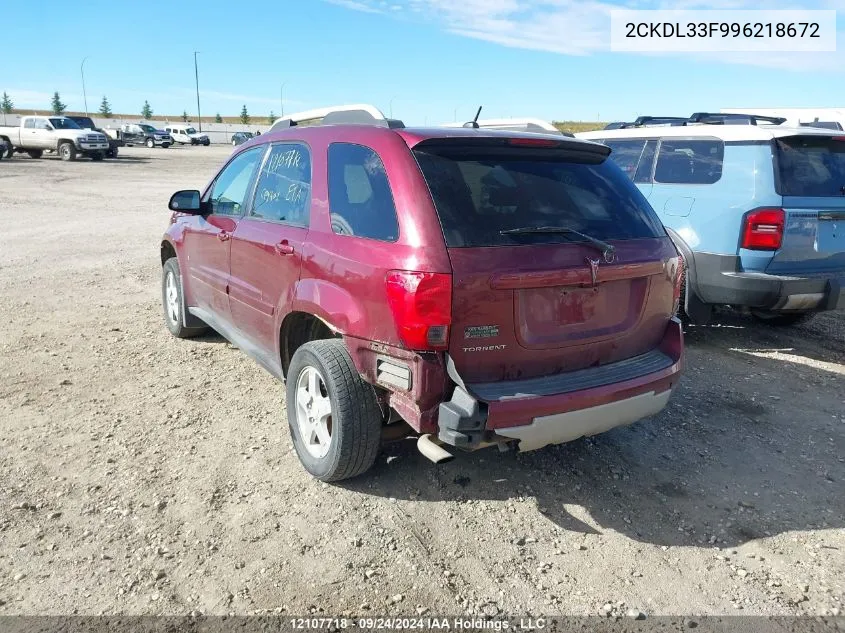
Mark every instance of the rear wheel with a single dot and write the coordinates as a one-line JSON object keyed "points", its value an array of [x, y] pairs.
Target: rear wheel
{"points": [[98, 156], [172, 302], [112, 153], [333, 414], [35, 153], [782, 319], [67, 151]]}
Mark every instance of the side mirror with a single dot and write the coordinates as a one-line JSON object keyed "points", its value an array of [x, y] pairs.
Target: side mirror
{"points": [[187, 201]]}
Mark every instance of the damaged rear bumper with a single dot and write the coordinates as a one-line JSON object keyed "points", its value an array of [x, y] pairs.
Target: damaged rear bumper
{"points": [[557, 409]]}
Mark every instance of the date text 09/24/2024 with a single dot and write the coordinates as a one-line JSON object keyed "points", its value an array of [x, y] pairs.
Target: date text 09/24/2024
{"points": [[419, 623]]}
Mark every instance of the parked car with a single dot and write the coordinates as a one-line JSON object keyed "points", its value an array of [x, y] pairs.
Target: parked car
{"points": [[5, 148], [241, 137], [475, 286], [187, 135], [756, 207], [142, 134], [87, 123], [37, 134]]}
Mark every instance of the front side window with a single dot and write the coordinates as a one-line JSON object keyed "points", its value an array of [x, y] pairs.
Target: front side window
{"points": [[190, 130], [230, 189], [360, 199], [64, 124], [689, 161], [283, 193]]}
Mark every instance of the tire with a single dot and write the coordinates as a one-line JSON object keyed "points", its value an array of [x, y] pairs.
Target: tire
{"points": [[782, 319], [35, 153], [350, 437], [172, 302], [67, 151], [150, 143], [206, 143], [165, 145], [112, 153], [98, 156]]}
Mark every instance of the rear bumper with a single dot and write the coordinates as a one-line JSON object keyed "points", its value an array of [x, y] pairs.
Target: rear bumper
{"points": [[718, 282], [563, 408]]}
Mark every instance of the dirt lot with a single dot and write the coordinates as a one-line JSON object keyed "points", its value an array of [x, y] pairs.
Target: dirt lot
{"points": [[143, 474]]}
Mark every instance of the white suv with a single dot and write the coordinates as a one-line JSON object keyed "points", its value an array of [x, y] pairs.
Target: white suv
{"points": [[187, 135]]}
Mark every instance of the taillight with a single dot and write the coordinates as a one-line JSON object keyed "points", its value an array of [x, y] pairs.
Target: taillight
{"points": [[678, 284], [422, 307], [532, 142], [763, 229]]}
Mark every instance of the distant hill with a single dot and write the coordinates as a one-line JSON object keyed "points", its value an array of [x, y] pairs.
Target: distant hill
{"points": [[578, 126]]}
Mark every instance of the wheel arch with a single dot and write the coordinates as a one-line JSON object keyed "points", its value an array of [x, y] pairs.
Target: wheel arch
{"points": [[694, 307], [298, 328]]}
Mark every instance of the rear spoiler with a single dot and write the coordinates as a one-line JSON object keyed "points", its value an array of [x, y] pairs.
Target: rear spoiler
{"points": [[582, 149]]}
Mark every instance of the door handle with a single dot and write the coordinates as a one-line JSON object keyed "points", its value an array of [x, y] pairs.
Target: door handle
{"points": [[283, 248], [223, 236]]}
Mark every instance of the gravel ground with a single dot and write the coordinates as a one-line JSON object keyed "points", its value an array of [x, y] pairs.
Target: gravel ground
{"points": [[140, 474]]}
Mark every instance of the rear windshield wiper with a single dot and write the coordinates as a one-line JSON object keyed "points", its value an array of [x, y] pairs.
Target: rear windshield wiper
{"points": [[608, 250]]}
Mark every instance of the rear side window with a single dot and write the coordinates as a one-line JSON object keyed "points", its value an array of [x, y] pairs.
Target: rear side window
{"points": [[626, 154], [690, 161], [360, 199], [283, 193], [810, 166], [646, 162], [478, 194]]}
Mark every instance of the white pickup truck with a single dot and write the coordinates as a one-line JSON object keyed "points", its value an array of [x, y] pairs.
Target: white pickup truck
{"points": [[39, 133]]}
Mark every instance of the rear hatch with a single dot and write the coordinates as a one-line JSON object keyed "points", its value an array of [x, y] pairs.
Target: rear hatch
{"points": [[558, 261], [810, 175]]}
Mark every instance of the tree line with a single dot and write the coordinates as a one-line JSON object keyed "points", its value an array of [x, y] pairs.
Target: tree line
{"points": [[58, 108]]}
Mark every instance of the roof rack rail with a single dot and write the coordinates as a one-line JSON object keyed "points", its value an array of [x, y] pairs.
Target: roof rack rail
{"points": [[643, 121], [723, 118], [356, 114], [527, 124], [647, 121]]}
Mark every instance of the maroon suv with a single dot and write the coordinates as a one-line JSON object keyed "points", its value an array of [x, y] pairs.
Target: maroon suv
{"points": [[483, 287]]}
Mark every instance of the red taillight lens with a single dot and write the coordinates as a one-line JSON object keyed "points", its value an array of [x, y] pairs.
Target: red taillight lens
{"points": [[532, 142], [422, 308], [763, 230]]}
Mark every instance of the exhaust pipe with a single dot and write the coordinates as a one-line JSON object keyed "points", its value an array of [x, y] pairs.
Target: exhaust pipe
{"points": [[433, 451]]}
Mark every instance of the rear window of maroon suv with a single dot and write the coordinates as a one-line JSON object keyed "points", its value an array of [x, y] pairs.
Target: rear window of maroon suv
{"points": [[482, 193]]}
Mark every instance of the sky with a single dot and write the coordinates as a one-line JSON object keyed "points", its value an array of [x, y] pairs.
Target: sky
{"points": [[424, 61]]}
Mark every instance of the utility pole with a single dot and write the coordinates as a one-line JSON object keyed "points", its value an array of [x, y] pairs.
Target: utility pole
{"points": [[282, 98], [82, 72], [197, 77]]}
